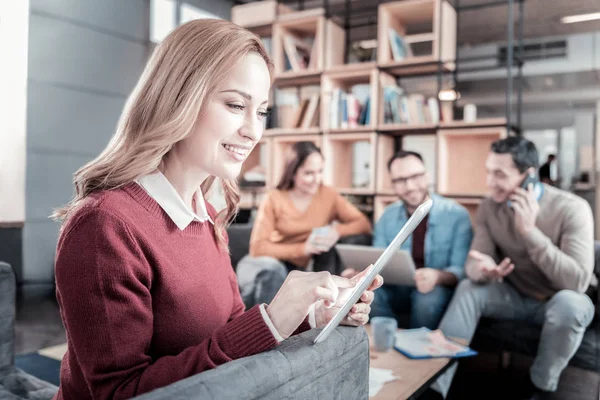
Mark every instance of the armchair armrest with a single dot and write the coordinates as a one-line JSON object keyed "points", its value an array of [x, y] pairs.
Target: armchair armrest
{"points": [[7, 314], [297, 369]]}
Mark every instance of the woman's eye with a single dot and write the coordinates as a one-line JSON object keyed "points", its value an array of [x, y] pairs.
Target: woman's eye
{"points": [[238, 107], [263, 114]]}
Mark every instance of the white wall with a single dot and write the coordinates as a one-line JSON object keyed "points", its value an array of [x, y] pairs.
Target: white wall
{"points": [[14, 24]]}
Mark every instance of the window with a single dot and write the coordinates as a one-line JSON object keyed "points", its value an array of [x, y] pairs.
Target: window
{"points": [[163, 17]]}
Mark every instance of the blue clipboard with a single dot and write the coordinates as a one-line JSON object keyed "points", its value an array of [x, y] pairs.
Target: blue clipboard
{"points": [[421, 333]]}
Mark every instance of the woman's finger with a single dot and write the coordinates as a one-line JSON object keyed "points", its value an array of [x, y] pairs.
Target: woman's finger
{"points": [[361, 319], [360, 308], [367, 297]]}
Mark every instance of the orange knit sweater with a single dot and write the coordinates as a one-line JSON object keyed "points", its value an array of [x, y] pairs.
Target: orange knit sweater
{"points": [[280, 230]]}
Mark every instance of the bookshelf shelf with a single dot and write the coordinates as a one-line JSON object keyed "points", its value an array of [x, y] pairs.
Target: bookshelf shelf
{"points": [[461, 159], [340, 153], [259, 161], [293, 78], [425, 65], [481, 123], [292, 131], [358, 129], [407, 129], [347, 68], [347, 99], [415, 35]]}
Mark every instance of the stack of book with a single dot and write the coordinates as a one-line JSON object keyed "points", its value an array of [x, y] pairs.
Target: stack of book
{"points": [[346, 111], [299, 52], [402, 108]]}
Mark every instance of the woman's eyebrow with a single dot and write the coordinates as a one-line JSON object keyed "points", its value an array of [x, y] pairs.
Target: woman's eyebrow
{"points": [[245, 95]]}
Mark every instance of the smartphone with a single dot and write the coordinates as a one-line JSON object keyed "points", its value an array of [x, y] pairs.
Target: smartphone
{"points": [[529, 179]]}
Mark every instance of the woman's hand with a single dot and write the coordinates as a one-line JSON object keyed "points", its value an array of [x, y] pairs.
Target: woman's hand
{"points": [[359, 313], [299, 292]]}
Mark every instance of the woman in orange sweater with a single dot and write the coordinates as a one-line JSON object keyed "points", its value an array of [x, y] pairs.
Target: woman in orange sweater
{"points": [[301, 203]]}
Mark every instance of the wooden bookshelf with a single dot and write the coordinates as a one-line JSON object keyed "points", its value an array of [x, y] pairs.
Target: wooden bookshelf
{"points": [[258, 16], [338, 151], [427, 29], [344, 79], [380, 204], [407, 129], [461, 160], [385, 151], [259, 160], [327, 48], [281, 147], [292, 131], [454, 151], [480, 123]]}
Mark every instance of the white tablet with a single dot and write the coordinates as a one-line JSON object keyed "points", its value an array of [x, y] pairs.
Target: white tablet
{"points": [[379, 265], [400, 270]]}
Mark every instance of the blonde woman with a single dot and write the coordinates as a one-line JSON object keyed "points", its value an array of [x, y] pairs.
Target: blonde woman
{"points": [[143, 275]]}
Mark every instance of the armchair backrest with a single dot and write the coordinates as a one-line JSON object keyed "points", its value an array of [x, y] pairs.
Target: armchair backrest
{"points": [[7, 314]]}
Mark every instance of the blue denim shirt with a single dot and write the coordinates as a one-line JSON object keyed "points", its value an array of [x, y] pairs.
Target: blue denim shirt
{"points": [[447, 240]]}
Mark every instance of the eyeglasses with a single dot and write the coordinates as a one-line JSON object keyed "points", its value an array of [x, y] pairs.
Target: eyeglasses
{"points": [[402, 181]]}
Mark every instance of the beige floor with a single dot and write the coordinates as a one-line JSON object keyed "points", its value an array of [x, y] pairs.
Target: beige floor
{"points": [[55, 352]]}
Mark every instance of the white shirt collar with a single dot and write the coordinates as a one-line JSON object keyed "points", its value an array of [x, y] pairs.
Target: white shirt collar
{"points": [[160, 189]]}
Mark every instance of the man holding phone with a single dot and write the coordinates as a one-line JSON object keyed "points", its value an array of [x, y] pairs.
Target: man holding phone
{"points": [[532, 259]]}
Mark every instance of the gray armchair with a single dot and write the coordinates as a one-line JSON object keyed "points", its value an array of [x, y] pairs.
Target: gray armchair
{"points": [[296, 369], [14, 383]]}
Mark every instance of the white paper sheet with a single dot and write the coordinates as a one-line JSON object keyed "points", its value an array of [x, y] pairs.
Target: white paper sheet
{"points": [[379, 377]]}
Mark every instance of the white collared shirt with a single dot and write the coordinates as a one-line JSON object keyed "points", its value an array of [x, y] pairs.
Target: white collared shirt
{"points": [[162, 191]]}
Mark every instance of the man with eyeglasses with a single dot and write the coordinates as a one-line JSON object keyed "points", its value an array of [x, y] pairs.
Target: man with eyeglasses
{"points": [[439, 246]]}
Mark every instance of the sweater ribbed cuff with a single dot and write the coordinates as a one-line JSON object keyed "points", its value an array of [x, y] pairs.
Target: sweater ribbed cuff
{"points": [[248, 334]]}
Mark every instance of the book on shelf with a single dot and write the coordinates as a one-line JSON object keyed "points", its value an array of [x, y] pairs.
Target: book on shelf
{"points": [[400, 49], [347, 111], [299, 52], [403, 108]]}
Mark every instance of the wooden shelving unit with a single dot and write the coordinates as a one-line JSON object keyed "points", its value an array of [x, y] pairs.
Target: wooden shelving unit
{"points": [[292, 131], [455, 151], [338, 151], [428, 30], [461, 159], [344, 79]]}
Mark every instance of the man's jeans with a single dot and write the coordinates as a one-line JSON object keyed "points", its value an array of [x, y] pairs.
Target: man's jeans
{"points": [[259, 279], [563, 318], [425, 309]]}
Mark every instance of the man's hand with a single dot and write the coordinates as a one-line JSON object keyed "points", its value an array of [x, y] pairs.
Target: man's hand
{"points": [[426, 279], [486, 267], [526, 209]]}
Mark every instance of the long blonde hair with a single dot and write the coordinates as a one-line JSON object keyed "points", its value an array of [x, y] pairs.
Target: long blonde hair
{"points": [[181, 75]]}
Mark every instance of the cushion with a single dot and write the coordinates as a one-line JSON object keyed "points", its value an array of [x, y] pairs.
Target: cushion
{"points": [[297, 369], [16, 385]]}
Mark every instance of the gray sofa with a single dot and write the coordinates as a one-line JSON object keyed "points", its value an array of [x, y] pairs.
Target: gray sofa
{"points": [[14, 383], [296, 369]]}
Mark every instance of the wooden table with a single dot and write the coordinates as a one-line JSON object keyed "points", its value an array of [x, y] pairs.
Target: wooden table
{"points": [[414, 376]]}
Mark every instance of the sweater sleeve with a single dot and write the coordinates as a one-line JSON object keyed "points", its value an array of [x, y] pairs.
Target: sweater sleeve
{"points": [[569, 265], [482, 242], [103, 285], [260, 239], [352, 220]]}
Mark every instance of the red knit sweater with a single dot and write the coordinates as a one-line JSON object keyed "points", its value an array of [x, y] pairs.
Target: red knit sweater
{"points": [[145, 304]]}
